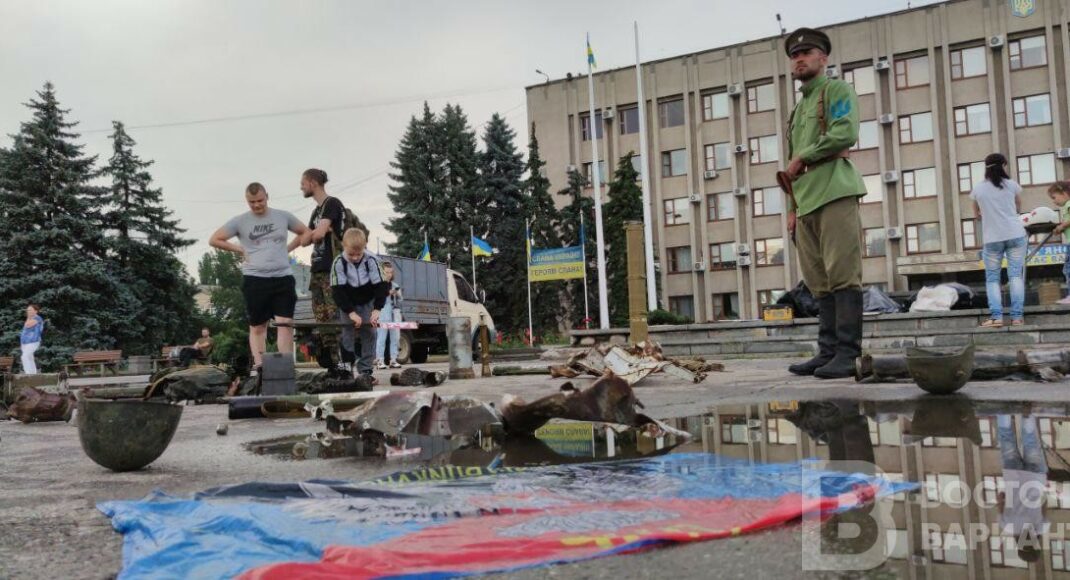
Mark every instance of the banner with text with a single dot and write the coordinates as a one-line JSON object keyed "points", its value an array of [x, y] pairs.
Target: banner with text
{"points": [[556, 264]]}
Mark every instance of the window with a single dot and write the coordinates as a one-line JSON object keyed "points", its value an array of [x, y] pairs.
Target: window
{"points": [[868, 135], [874, 239], [764, 149], [587, 169], [671, 113], [916, 128], [464, 291], [718, 156], [943, 488], [780, 431], [767, 201], [919, 183], [722, 256], [637, 165], [769, 252], [585, 125], [861, 79], [680, 259], [769, 297], [733, 429], [677, 211], [971, 234], [970, 174], [674, 163], [1004, 551], [1032, 111], [1036, 169], [874, 189], [798, 90], [714, 106], [1060, 555], [948, 547], [912, 72], [972, 120], [721, 206], [1028, 52], [968, 62], [682, 306], [629, 120], [726, 306], [923, 238], [761, 98]]}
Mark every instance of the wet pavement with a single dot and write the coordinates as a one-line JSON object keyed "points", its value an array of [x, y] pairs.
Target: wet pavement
{"points": [[966, 453]]}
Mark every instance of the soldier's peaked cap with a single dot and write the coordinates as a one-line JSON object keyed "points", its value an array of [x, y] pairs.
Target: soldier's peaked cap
{"points": [[804, 38]]}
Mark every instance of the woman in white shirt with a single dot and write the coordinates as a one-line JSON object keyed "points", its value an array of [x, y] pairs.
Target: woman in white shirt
{"points": [[996, 201]]}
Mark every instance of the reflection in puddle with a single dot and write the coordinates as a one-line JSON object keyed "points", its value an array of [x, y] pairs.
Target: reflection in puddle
{"points": [[995, 477]]}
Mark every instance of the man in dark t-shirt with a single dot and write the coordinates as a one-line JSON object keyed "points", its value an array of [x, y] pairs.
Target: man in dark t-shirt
{"points": [[325, 226]]}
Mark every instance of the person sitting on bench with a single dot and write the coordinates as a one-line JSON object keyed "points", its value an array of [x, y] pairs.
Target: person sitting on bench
{"points": [[199, 351]]}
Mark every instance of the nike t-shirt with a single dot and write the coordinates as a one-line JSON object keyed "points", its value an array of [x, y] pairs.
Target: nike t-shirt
{"points": [[264, 240]]}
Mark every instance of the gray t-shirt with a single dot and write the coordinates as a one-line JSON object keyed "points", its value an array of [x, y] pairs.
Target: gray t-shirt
{"points": [[264, 240], [999, 216]]}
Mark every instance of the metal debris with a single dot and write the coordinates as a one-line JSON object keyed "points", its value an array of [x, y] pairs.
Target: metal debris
{"points": [[222, 429], [634, 363]]}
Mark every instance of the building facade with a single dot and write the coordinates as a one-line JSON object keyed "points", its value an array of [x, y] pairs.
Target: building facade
{"points": [[939, 88]]}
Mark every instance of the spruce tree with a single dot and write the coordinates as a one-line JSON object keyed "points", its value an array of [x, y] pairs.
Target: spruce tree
{"points": [[545, 221], [625, 204], [417, 192], [578, 205], [504, 276], [51, 242], [465, 201], [141, 250]]}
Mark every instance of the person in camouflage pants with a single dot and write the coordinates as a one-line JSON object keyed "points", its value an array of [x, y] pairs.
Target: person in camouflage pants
{"points": [[324, 309]]}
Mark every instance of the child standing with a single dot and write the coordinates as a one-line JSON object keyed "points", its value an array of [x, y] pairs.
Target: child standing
{"points": [[359, 289], [391, 313], [1059, 193]]}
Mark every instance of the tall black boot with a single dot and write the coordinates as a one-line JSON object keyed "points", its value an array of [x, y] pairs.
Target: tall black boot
{"points": [[826, 338], [848, 336]]}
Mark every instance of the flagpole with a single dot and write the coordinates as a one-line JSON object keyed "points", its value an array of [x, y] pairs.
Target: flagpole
{"points": [[648, 234], [472, 245], [583, 248], [527, 243], [603, 302]]}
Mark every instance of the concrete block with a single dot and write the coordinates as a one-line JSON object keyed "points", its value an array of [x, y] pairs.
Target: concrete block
{"points": [[950, 322], [1055, 337], [588, 341], [891, 325], [778, 347], [1004, 338]]}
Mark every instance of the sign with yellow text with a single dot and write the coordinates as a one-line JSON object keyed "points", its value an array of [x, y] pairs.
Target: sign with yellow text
{"points": [[556, 264]]}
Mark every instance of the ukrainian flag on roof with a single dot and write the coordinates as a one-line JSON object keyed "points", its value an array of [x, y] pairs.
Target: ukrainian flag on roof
{"points": [[590, 53], [481, 247], [425, 254]]}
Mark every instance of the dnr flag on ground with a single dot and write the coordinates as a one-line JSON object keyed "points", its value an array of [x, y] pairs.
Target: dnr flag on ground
{"points": [[481, 247]]}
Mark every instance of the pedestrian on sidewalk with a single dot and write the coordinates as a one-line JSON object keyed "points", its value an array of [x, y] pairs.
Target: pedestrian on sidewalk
{"points": [[997, 201], [1059, 193], [268, 284], [391, 313], [360, 291], [30, 338]]}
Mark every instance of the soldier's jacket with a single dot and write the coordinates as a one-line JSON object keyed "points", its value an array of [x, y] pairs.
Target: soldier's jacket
{"points": [[835, 178]]}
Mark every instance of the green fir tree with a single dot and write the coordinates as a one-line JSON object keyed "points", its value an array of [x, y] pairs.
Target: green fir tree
{"points": [[547, 313], [625, 204], [570, 231]]}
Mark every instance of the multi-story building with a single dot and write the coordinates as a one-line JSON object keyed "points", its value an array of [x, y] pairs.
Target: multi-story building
{"points": [[939, 88]]}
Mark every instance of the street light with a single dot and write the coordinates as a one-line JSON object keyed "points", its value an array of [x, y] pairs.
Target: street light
{"points": [[544, 74]]}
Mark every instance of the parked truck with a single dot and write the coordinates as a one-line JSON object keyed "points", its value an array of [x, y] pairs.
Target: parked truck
{"points": [[431, 294]]}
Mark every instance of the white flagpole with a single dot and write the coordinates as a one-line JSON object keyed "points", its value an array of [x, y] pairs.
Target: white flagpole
{"points": [[527, 244], [472, 245], [583, 248], [603, 302], [648, 234]]}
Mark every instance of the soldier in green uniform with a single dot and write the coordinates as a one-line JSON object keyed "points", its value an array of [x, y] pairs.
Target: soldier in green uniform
{"points": [[825, 221]]}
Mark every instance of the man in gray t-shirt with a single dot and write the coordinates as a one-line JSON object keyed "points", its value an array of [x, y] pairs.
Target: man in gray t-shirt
{"points": [[267, 280]]}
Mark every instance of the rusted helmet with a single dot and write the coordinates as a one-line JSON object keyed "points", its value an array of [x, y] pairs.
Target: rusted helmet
{"points": [[940, 373], [126, 435]]}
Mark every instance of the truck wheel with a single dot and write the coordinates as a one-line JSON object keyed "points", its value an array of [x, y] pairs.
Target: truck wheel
{"points": [[418, 354], [405, 348]]}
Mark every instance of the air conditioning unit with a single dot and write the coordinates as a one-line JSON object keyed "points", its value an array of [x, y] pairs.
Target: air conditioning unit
{"points": [[882, 64], [709, 174], [995, 41], [754, 423], [740, 192], [832, 71], [607, 113], [887, 119], [699, 266], [894, 234], [890, 176], [694, 198], [734, 90], [741, 148], [742, 250], [742, 261], [1063, 153]]}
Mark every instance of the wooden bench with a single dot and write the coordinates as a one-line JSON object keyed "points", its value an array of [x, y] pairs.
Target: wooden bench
{"points": [[105, 360], [7, 363]]}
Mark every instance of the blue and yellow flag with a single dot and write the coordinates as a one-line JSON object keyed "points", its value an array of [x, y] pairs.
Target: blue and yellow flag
{"points": [[590, 53], [481, 247], [425, 254]]}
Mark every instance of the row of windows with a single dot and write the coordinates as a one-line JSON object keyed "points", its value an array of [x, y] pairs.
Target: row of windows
{"points": [[1023, 53]]}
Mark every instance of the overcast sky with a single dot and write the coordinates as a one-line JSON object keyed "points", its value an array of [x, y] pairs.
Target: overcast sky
{"points": [[329, 84]]}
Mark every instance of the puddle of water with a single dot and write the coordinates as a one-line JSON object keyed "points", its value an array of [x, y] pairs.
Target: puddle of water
{"points": [[987, 471]]}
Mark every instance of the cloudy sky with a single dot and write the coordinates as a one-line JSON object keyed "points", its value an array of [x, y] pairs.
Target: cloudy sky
{"points": [[223, 92]]}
